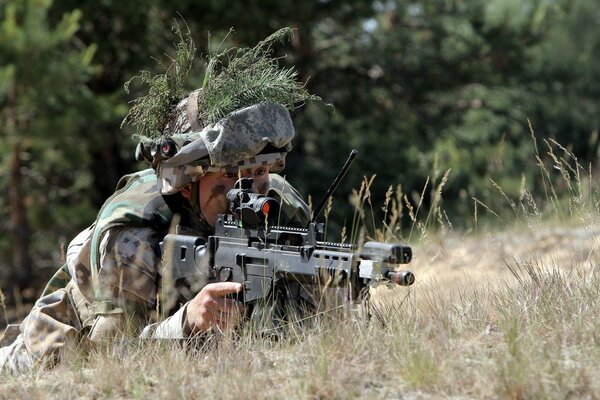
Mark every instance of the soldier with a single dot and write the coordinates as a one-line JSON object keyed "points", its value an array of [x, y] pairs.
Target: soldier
{"points": [[110, 282]]}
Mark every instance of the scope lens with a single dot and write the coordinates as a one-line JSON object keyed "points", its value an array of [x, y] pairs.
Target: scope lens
{"points": [[265, 208]]}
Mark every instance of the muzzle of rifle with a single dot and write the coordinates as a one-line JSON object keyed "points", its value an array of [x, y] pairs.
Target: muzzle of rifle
{"points": [[402, 278]]}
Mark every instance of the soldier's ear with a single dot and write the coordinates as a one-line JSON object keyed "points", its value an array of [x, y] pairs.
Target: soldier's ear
{"points": [[186, 191]]}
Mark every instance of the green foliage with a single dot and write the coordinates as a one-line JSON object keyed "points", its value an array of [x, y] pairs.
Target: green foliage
{"points": [[449, 85], [237, 78], [150, 113], [44, 71], [240, 77], [233, 79]]}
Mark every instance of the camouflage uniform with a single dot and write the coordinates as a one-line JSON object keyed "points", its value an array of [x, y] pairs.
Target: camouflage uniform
{"points": [[111, 280]]}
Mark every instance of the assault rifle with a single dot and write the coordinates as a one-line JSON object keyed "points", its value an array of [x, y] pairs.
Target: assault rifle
{"points": [[248, 247]]}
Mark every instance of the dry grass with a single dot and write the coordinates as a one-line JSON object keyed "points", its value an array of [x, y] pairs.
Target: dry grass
{"points": [[503, 316], [494, 316], [506, 314]]}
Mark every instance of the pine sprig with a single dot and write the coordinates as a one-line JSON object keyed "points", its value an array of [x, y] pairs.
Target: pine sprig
{"points": [[150, 113], [233, 79], [241, 77]]}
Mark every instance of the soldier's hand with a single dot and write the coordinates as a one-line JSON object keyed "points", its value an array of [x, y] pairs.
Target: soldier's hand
{"points": [[210, 309]]}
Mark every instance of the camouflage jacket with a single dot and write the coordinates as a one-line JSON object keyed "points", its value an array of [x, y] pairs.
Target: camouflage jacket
{"points": [[113, 274]]}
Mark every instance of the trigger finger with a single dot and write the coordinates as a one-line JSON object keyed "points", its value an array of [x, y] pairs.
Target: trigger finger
{"points": [[226, 305]]}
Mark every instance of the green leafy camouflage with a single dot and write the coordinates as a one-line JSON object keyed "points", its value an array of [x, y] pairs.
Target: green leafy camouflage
{"points": [[150, 113], [233, 79], [241, 77]]}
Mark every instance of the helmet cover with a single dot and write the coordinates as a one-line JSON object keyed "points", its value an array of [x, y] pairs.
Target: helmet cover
{"points": [[237, 141]]}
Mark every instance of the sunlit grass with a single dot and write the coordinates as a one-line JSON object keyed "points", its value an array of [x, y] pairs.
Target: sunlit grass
{"points": [[507, 310]]}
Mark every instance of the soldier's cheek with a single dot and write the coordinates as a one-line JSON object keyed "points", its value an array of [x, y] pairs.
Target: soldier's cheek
{"points": [[219, 199], [261, 186], [223, 205]]}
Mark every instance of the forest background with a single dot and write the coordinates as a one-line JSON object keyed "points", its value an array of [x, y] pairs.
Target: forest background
{"points": [[420, 88]]}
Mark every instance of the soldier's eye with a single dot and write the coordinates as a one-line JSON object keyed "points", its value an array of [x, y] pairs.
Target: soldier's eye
{"points": [[230, 175], [260, 171]]}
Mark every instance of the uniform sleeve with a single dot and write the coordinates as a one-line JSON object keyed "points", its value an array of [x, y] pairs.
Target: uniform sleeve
{"points": [[15, 358], [55, 323], [170, 328], [130, 273], [129, 265], [51, 328]]}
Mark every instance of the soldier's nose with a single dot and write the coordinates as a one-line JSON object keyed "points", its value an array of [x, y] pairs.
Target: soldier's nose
{"points": [[245, 173]]}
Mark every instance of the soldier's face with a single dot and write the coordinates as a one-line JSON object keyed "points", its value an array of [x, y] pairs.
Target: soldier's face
{"points": [[215, 185]]}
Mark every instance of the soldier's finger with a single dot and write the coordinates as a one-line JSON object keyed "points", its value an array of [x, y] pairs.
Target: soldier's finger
{"points": [[225, 323], [217, 319], [231, 313], [220, 327], [220, 315], [225, 305], [222, 289]]}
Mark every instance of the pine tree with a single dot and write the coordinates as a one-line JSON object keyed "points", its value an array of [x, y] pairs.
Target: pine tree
{"points": [[43, 72]]}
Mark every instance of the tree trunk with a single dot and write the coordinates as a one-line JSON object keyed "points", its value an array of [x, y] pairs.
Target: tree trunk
{"points": [[20, 225]]}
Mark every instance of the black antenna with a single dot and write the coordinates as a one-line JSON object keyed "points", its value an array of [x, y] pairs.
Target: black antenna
{"points": [[335, 184]]}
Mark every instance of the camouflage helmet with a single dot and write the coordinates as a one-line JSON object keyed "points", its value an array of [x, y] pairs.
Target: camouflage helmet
{"points": [[260, 134], [238, 119]]}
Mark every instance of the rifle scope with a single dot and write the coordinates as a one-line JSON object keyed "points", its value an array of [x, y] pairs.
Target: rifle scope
{"points": [[251, 209]]}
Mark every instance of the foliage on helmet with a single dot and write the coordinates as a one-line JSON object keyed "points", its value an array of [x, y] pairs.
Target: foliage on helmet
{"points": [[150, 113], [241, 77], [233, 79]]}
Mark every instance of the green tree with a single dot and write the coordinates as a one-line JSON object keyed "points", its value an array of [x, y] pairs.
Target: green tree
{"points": [[43, 73], [426, 86]]}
